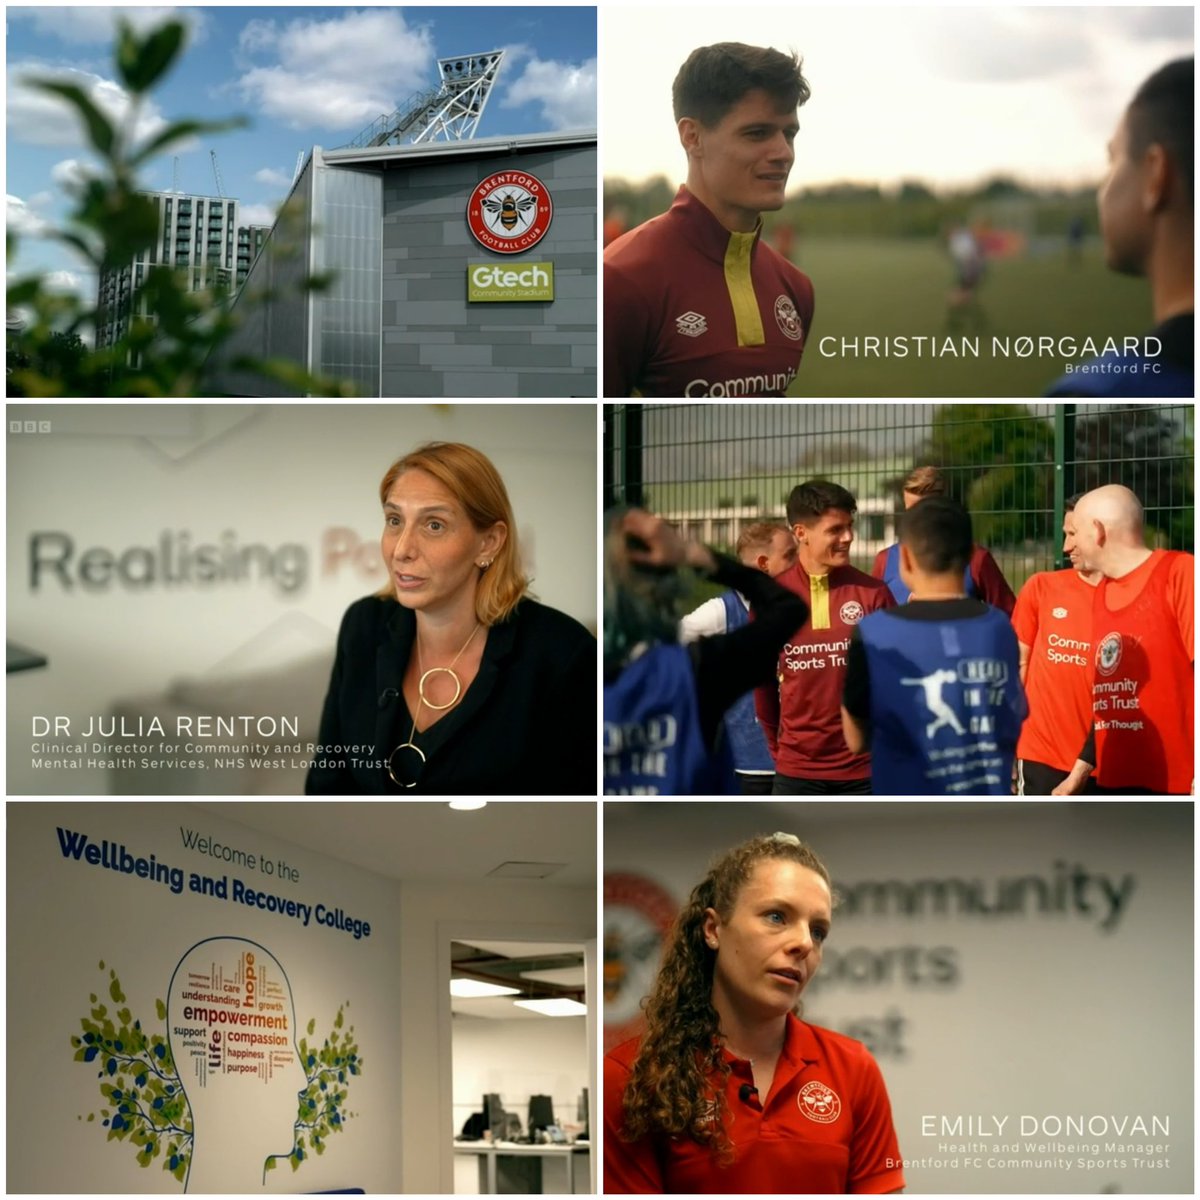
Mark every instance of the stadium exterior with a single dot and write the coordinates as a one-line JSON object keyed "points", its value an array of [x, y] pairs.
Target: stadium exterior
{"points": [[407, 312]]}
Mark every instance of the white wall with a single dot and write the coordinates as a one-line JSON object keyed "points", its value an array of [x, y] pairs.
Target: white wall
{"points": [[431, 917], [518, 1059], [71, 923], [300, 480], [1038, 1013]]}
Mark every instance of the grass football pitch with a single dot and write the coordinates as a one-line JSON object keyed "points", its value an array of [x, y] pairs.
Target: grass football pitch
{"points": [[900, 288]]}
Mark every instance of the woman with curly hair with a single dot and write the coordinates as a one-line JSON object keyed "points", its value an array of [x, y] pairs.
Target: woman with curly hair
{"points": [[728, 1090]]}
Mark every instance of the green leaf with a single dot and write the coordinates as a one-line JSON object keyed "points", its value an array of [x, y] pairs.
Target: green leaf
{"points": [[100, 131], [180, 130], [142, 64], [23, 292]]}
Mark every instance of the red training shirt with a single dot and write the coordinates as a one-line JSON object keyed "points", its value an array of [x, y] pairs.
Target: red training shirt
{"points": [[1053, 617], [802, 717], [824, 1128], [692, 309], [1143, 689]]}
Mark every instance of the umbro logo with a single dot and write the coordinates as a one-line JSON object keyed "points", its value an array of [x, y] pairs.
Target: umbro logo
{"points": [[1059, 612], [691, 324]]}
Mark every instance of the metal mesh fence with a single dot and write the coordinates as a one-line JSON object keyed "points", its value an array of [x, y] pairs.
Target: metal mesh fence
{"points": [[712, 469]]}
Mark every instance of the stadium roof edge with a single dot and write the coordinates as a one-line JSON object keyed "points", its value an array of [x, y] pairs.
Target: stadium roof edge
{"points": [[470, 148]]}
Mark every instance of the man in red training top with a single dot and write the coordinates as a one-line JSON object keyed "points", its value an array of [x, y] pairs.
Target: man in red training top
{"points": [[1053, 623], [695, 303], [802, 718], [1143, 688], [982, 578]]}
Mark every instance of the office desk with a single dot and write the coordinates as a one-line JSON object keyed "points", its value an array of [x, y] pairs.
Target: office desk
{"points": [[489, 1152]]}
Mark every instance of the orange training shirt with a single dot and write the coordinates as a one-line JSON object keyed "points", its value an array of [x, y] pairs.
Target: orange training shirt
{"points": [[1053, 617]]}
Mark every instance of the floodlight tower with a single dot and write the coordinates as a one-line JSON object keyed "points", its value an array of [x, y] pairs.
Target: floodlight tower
{"points": [[450, 111]]}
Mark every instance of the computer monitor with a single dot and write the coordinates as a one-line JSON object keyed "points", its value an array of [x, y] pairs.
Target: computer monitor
{"points": [[497, 1118], [541, 1112]]}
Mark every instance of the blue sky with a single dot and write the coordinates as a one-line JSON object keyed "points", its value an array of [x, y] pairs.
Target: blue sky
{"points": [[305, 76]]}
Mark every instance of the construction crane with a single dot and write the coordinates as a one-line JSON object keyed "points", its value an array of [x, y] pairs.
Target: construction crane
{"points": [[217, 174], [451, 110]]}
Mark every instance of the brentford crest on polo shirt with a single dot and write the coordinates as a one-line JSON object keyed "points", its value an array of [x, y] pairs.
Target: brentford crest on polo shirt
{"points": [[819, 1102]]}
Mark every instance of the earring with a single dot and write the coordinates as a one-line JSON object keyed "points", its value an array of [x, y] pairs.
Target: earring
{"points": [[483, 566]]}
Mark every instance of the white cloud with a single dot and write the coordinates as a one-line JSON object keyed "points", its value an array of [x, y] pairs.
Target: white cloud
{"points": [[256, 214], [70, 173], [273, 178], [334, 74], [64, 281], [83, 26], [565, 91], [19, 218], [41, 119]]}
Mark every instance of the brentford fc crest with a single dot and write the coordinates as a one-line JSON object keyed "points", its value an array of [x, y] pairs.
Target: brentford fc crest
{"points": [[788, 319], [1108, 653], [851, 612], [509, 212], [819, 1102]]}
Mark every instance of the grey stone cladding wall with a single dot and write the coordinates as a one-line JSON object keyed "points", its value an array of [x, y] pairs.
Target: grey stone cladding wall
{"points": [[436, 344]]}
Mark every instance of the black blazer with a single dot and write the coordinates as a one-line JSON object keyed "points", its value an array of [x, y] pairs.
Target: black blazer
{"points": [[525, 726]]}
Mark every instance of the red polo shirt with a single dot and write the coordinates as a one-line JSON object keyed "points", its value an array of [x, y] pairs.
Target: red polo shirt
{"points": [[824, 1128]]}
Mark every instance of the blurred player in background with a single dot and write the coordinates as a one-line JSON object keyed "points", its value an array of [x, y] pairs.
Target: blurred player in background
{"points": [[1143, 681], [932, 687], [802, 717], [695, 303], [1053, 623], [962, 307], [1147, 214], [769, 547], [981, 576]]}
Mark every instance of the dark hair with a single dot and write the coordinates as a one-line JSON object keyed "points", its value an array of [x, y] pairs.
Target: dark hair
{"points": [[1070, 502], [809, 500], [715, 78], [937, 530], [668, 1091], [1162, 111]]}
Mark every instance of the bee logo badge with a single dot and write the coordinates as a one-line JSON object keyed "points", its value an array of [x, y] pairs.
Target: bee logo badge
{"points": [[510, 212], [819, 1102], [1108, 653]]}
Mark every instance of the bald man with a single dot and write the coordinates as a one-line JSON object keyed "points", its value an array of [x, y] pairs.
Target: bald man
{"points": [[1142, 662]]}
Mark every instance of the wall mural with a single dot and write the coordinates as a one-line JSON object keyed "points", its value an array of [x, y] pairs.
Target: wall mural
{"points": [[219, 1076]]}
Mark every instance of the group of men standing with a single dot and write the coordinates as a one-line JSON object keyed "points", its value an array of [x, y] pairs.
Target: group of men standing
{"points": [[928, 676]]}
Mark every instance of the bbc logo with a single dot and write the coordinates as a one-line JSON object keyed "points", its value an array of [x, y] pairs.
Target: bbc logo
{"points": [[29, 427]]}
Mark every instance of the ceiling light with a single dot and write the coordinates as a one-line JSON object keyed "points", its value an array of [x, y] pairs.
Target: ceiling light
{"points": [[468, 805], [554, 1008], [473, 989]]}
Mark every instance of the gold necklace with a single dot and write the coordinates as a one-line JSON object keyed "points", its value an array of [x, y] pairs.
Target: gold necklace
{"points": [[422, 702]]}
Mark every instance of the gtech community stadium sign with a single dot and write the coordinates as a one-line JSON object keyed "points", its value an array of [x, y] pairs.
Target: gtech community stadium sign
{"points": [[509, 213]]}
